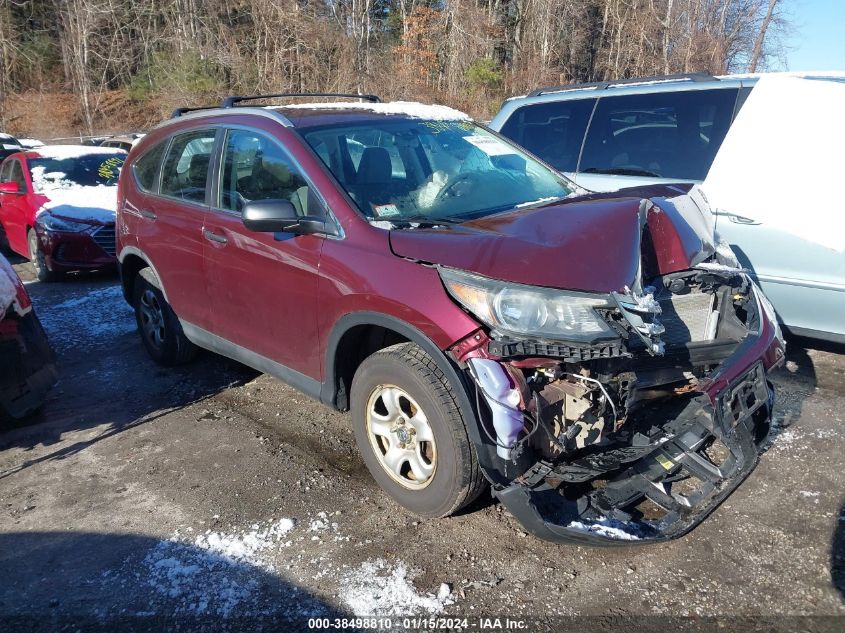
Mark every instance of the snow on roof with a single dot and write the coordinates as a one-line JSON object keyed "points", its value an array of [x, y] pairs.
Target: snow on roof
{"points": [[410, 109], [30, 142], [74, 151], [791, 73], [781, 159]]}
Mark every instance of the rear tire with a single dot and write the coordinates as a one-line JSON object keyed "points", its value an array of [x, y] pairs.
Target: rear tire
{"points": [[160, 330], [39, 262], [411, 433]]}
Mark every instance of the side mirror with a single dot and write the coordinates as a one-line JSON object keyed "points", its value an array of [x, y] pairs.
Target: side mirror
{"points": [[10, 187], [279, 216]]}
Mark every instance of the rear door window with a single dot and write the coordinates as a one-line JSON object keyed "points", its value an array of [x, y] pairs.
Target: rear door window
{"points": [[185, 171], [662, 135], [553, 131], [146, 168]]}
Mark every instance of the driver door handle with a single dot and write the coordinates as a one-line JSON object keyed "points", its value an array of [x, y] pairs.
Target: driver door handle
{"points": [[211, 236]]}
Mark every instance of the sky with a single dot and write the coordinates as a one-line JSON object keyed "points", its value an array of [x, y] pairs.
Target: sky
{"points": [[819, 39]]}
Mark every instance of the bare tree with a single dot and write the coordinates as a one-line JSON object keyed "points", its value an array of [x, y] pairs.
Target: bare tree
{"points": [[757, 52]]}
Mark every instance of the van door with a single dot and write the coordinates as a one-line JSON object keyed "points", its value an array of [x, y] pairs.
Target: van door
{"points": [[654, 138], [263, 286]]}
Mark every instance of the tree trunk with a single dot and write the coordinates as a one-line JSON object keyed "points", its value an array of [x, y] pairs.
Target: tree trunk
{"points": [[757, 53]]}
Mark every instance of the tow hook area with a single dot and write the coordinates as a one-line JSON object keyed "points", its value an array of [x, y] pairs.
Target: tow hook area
{"points": [[654, 490]]}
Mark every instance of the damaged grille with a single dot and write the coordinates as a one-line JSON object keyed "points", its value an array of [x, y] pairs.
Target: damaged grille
{"points": [[688, 318], [105, 239], [506, 347]]}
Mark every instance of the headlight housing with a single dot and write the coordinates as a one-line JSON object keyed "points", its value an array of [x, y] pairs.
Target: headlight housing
{"points": [[519, 310], [54, 223]]}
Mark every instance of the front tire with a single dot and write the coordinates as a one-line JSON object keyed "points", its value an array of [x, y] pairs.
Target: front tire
{"points": [[39, 262], [411, 434], [160, 330]]}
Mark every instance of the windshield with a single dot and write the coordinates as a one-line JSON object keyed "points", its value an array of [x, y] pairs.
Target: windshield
{"points": [[89, 170], [417, 170]]}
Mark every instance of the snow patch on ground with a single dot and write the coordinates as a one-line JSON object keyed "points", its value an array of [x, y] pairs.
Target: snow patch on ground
{"points": [[216, 573], [378, 588], [410, 109], [607, 528], [246, 546], [93, 319]]}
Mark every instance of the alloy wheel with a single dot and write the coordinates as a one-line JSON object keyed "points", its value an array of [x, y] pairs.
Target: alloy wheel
{"points": [[401, 437], [152, 319]]}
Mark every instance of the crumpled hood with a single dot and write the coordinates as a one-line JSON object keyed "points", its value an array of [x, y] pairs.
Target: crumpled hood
{"points": [[592, 243]]}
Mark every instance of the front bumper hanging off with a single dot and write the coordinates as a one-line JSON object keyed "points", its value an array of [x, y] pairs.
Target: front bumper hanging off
{"points": [[739, 421]]}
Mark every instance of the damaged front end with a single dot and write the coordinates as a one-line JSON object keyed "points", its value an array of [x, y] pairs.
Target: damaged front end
{"points": [[625, 416]]}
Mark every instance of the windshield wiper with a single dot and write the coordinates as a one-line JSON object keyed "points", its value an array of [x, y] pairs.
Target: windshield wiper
{"points": [[621, 171], [426, 220]]}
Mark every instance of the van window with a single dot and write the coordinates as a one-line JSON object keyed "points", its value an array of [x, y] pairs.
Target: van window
{"points": [[665, 135], [185, 171], [553, 131], [146, 168], [257, 168]]}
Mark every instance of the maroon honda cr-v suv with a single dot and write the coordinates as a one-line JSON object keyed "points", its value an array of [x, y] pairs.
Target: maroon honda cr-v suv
{"points": [[600, 361]]}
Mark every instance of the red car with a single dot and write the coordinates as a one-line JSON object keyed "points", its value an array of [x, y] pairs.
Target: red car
{"points": [[57, 207], [27, 363], [595, 359]]}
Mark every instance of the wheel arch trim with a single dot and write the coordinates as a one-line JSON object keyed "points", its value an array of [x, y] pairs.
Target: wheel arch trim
{"points": [[328, 392], [133, 250]]}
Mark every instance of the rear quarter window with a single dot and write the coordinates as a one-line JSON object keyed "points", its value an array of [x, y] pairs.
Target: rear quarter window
{"points": [[553, 131], [146, 168]]}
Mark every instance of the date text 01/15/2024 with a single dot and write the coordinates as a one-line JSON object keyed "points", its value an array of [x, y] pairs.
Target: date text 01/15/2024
{"points": [[419, 623]]}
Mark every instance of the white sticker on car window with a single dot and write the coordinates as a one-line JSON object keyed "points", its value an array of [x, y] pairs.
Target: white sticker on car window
{"points": [[385, 210], [490, 145]]}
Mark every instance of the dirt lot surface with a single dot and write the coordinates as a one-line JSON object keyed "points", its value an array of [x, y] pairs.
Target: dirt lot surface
{"points": [[223, 496]]}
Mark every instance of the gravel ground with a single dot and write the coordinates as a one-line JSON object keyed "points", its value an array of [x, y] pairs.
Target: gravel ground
{"points": [[226, 499]]}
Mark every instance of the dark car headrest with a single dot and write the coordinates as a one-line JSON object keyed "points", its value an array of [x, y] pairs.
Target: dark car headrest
{"points": [[198, 168], [375, 166]]}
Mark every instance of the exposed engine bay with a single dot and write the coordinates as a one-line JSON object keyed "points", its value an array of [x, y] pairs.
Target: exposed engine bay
{"points": [[628, 438]]}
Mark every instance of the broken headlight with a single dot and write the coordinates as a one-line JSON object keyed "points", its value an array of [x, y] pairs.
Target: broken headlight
{"points": [[515, 309]]}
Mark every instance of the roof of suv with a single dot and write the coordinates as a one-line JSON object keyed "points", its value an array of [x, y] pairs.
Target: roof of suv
{"points": [[303, 115]]}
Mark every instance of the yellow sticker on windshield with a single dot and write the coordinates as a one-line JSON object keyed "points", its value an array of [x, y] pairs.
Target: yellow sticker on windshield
{"points": [[110, 168]]}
